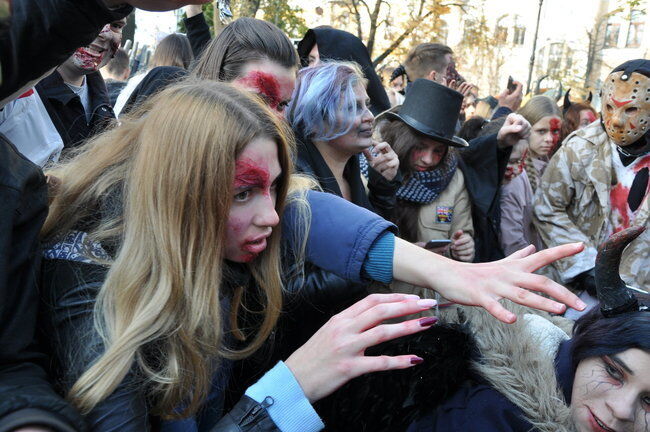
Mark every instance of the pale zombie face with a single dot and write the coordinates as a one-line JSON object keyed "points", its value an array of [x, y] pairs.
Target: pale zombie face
{"points": [[626, 107], [252, 214], [270, 80], [544, 136], [587, 117], [517, 160], [101, 50], [427, 154], [612, 393], [360, 135]]}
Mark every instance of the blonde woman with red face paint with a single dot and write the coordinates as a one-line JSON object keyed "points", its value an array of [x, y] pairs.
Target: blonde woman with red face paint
{"points": [[182, 233], [546, 126], [153, 253]]}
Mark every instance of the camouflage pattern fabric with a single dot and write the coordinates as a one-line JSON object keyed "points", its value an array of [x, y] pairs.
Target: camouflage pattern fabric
{"points": [[572, 204]]}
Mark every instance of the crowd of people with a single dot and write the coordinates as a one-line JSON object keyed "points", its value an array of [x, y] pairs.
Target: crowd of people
{"points": [[249, 235]]}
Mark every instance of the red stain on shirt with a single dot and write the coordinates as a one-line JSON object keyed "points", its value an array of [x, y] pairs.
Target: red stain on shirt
{"points": [[643, 163], [622, 215], [266, 85], [620, 209]]}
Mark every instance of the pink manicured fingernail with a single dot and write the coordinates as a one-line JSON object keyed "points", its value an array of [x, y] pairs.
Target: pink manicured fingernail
{"points": [[581, 304], [416, 360], [427, 303], [411, 297], [428, 321]]}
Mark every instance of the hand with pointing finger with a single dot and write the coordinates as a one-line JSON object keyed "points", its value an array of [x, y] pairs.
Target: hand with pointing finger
{"points": [[383, 159]]}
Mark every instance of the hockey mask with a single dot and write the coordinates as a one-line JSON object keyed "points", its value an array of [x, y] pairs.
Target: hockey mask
{"points": [[626, 107]]}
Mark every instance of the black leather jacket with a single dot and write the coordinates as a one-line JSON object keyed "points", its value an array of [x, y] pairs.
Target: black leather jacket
{"points": [[69, 290]]}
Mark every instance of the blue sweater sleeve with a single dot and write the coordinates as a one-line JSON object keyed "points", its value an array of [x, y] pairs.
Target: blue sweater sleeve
{"points": [[281, 395], [379, 261], [340, 236]]}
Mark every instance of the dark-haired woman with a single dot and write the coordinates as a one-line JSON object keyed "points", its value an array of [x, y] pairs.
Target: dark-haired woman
{"points": [[531, 376]]}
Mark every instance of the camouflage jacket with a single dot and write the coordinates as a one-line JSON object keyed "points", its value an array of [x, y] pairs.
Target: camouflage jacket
{"points": [[572, 204]]}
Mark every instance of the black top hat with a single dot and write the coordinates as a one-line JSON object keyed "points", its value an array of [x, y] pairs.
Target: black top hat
{"points": [[431, 109]]}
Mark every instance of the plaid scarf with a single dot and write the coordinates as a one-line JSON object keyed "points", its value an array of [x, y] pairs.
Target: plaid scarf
{"points": [[424, 187]]}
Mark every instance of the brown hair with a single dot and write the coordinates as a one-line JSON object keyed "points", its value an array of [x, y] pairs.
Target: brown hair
{"points": [[571, 120], [424, 58], [403, 139], [173, 50], [240, 42]]}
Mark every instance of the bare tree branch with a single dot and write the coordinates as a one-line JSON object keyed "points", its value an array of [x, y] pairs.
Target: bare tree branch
{"points": [[400, 39]]}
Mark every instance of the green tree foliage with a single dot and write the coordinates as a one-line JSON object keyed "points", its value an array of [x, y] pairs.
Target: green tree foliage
{"points": [[288, 18]]}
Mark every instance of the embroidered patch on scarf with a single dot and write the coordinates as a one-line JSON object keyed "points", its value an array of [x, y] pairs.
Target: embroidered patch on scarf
{"points": [[444, 214]]}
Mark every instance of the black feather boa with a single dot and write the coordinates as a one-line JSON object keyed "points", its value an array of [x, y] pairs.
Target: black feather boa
{"points": [[390, 401]]}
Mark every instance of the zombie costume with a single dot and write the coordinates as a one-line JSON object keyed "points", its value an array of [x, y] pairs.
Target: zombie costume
{"points": [[480, 374], [43, 34], [364, 249], [593, 186]]}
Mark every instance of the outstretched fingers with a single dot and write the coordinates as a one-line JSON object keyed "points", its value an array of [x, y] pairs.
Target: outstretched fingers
{"points": [[386, 332], [534, 282], [373, 300], [544, 257], [384, 311]]}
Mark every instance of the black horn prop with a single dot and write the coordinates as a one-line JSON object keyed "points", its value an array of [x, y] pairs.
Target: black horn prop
{"points": [[614, 296]]}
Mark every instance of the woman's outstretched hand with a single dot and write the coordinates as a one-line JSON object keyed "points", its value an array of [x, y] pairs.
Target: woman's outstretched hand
{"points": [[484, 284], [335, 353]]}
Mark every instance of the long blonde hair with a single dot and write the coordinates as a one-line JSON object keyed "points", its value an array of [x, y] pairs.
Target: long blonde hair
{"points": [[173, 160]]}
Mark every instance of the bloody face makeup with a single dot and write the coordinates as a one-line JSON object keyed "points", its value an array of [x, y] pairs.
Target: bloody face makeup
{"points": [[626, 107], [427, 155], [94, 56], [360, 135], [544, 136], [612, 393], [252, 214], [587, 117], [273, 82]]}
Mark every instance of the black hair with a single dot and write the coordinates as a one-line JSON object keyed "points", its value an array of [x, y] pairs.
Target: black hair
{"points": [[472, 127], [595, 336]]}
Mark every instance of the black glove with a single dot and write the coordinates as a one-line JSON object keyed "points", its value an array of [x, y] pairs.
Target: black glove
{"points": [[586, 281]]}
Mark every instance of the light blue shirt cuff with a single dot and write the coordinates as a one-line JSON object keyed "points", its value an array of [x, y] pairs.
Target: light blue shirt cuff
{"points": [[279, 392]]}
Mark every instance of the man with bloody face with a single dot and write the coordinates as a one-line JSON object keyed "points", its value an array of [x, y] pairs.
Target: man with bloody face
{"points": [[75, 94], [597, 183]]}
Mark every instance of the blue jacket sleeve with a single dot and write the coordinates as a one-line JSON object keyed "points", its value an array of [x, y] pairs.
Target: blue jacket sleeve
{"points": [[340, 234]]}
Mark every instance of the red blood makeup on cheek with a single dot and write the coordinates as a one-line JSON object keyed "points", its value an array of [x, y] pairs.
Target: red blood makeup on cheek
{"points": [[266, 85], [555, 126], [591, 117]]}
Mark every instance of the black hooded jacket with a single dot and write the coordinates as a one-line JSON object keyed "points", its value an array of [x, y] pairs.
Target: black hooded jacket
{"points": [[336, 44]]}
